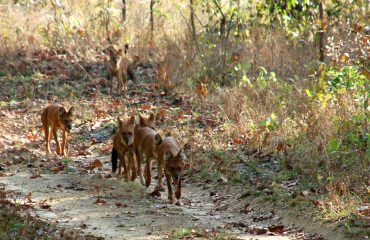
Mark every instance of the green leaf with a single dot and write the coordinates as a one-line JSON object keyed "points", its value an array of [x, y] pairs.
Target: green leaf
{"points": [[308, 92], [334, 145]]}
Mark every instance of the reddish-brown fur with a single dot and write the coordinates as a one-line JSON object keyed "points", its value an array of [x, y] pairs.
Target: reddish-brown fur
{"points": [[144, 145], [117, 67], [171, 160], [123, 145], [55, 117]]}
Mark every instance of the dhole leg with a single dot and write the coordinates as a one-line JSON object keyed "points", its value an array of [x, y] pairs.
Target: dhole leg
{"points": [[110, 78], [139, 160], [132, 165], [160, 177], [148, 171], [178, 191], [56, 141], [64, 143], [120, 160], [119, 81], [169, 185], [122, 163], [124, 83], [47, 139]]}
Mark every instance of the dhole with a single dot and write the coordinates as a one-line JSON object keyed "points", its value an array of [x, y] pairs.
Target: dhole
{"points": [[146, 142], [171, 160], [117, 67], [123, 142], [55, 117]]}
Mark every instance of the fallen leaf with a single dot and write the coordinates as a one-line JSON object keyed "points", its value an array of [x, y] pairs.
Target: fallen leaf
{"points": [[364, 211], [156, 193], [100, 201], [146, 107], [100, 113], [118, 204], [201, 90], [238, 141], [96, 164], [245, 209], [83, 225], [45, 205], [28, 197], [35, 175], [280, 147], [56, 170], [257, 230], [278, 229], [2, 174]]}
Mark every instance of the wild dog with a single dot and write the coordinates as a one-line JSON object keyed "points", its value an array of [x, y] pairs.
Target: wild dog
{"points": [[53, 118], [144, 145], [117, 67], [171, 160], [123, 145]]}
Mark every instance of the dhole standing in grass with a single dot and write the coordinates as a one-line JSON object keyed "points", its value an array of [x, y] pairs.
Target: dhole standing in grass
{"points": [[117, 67], [171, 160], [146, 142], [55, 117]]}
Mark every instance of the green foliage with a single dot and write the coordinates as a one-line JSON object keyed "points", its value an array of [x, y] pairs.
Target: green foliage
{"points": [[271, 123], [181, 233]]}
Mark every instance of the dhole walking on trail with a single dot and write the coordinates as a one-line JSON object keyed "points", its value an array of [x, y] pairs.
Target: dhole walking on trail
{"points": [[171, 160], [55, 117]]}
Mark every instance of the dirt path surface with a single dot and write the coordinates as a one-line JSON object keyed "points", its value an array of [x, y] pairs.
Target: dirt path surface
{"points": [[107, 207]]}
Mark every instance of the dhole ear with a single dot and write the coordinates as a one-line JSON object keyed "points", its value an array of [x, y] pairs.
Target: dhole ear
{"points": [[131, 120], [126, 48], [141, 121], [157, 139], [71, 111], [167, 155], [62, 111], [151, 117], [182, 155], [111, 50], [120, 123]]}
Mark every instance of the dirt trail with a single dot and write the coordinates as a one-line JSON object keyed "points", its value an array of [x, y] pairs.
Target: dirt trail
{"points": [[72, 198]]}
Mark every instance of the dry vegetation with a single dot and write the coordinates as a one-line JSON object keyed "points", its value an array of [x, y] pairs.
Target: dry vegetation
{"points": [[267, 96]]}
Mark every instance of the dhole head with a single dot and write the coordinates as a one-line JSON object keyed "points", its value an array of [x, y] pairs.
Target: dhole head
{"points": [[175, 164], [114, 54], [65, 118], [147, 122], [126, 130]]}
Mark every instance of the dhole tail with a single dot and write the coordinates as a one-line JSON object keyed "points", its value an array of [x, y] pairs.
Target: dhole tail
{"points": [[114, 160]]}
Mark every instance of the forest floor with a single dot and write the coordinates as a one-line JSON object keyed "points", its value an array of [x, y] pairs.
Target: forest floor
{"points": [[80, 193]]}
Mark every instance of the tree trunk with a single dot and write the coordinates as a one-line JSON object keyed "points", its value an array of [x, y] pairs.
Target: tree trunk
{"points": [[123, 11], [192, 24], [322, 30], [152, 2]]}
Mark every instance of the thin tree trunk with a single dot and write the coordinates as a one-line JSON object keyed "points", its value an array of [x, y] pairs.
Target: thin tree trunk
{"points": [[192, 24], [152, 2], [321, 32], [123, 11]]}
